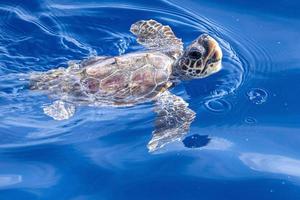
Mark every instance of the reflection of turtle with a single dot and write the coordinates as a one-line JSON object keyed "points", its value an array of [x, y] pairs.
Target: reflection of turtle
{"points": [[135, 78]]}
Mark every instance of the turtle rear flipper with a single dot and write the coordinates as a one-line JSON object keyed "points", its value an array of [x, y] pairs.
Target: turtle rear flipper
{"points": [[59, 110], [172, 122], [154, 35], [42, 80]]}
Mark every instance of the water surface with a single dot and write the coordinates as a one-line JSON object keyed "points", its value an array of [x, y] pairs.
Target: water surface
{"points": [[243, 144]]}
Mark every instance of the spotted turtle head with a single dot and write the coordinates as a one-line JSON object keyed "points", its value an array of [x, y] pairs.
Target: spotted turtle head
{"points": [[201, 59]]}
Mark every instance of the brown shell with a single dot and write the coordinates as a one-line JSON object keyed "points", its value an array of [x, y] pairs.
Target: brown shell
{"points": [[129, 78]]}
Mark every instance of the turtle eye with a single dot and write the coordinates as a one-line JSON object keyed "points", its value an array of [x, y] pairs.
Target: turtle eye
{"points": [[195, 54]]}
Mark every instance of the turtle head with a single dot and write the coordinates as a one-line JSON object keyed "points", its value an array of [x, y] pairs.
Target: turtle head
{"points": [[201, 59]]}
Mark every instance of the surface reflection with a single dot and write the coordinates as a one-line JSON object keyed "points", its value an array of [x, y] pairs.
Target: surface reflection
{"points": [[9, 179], [271, 163], [27, 175]]}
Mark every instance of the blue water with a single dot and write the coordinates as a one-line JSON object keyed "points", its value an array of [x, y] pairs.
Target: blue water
{"points": [[243, 144]]}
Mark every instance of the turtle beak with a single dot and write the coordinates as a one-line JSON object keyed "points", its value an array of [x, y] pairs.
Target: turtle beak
{"points": [[212, 55], [211, 46]]}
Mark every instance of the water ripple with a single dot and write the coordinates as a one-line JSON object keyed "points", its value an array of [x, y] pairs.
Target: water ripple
{"points": [[60, 26]]}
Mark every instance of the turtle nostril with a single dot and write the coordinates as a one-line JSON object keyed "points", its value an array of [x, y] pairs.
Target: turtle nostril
{"points": [[216, 56]]}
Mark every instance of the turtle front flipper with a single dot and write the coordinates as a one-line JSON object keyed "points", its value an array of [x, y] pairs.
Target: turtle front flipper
{"points": [[154, 35], [45, 80], [172, 122], [60, 110]]}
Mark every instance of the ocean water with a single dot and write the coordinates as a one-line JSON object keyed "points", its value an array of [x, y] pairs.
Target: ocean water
{"points": [[243, 144]]}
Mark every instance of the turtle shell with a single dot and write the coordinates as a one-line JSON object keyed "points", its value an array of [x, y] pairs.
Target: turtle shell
{"points": [[127, 79]]}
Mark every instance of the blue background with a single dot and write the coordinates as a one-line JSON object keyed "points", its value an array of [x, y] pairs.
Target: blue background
{"points": [[243, 144]]}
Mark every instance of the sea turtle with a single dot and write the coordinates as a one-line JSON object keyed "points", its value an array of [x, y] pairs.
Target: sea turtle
{"points": [[134, 78]]}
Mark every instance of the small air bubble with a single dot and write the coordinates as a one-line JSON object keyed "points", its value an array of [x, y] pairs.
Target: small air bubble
{"points": [[257, 96], [250, 120], [218, 105]]}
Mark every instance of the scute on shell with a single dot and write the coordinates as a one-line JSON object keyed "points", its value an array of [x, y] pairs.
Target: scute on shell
{"points": [[117, 81], [121, 80]]}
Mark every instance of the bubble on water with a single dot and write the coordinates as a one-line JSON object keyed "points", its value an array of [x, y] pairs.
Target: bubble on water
{"points": [[219, 93], [250, 120], [257, 95], [217, 105]]}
